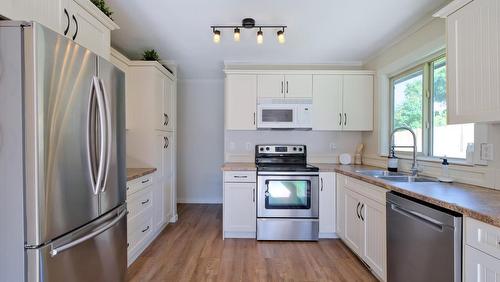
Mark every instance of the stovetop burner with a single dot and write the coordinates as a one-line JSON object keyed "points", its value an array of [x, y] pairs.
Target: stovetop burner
{"points": [[282, 158]]}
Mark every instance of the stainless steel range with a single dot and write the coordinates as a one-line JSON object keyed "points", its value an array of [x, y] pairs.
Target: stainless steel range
{"points": [[287, 194]]}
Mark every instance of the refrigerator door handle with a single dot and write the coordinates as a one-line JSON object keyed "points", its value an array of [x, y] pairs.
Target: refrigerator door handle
{"points": [[102, 136], [108, 135], [78, 241]]}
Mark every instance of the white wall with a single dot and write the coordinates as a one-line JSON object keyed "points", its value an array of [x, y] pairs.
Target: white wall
{"points": [[200, 141], [322, 146]]}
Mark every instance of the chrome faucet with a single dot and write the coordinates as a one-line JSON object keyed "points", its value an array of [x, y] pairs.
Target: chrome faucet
{"points": [[414, 166]]}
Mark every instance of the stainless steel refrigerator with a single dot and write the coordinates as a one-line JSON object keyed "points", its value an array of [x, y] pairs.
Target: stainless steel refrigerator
{"points": [[62, 159]]}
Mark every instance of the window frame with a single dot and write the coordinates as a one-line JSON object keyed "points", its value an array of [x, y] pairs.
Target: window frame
{"points": [[427, 105]]}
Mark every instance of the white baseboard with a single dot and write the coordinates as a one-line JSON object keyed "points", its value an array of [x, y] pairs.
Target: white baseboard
{"points": [[244, 235], [174, 218], [328, 235]]}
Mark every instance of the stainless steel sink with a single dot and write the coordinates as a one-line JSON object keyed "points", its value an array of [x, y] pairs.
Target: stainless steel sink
{"points": [[380, 173], [407, 178]]}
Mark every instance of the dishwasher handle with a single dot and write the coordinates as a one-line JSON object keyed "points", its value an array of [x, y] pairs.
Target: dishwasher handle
{"points": [[435, 224]]}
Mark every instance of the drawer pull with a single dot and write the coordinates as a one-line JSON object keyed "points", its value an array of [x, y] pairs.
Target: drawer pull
{"points": [[145, 181], [145, 202], [240, 176], [146, 229], [128, 188]]}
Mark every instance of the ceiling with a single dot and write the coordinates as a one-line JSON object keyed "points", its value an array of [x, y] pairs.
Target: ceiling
{"points": [[319, 31]]}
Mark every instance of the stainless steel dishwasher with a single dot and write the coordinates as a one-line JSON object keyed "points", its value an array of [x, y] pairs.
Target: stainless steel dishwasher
{"points": [[424, 242]]}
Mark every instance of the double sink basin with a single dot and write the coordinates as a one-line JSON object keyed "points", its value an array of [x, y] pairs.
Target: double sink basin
{"points": [[394, 176]]}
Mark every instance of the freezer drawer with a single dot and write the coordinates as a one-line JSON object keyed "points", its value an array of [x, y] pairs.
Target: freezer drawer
{"points": [[102, 257]]}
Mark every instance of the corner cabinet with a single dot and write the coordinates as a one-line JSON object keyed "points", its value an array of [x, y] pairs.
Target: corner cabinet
{"points": [[361, 222], [79, 20], [473, 60], [239, 204]]}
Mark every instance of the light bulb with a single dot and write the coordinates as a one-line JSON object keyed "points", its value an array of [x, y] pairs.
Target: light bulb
{"points": [[281, 37], [237, 35], [260, 37], [216, 36]]}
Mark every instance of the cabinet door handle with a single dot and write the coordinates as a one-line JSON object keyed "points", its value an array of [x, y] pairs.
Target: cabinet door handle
{"points": [[357, 210], [165, 119], [145, 229], [167, 142], [345, 119], [340, 118], [76, 31], [67, 18], [361, 212], [145, 202], [321, 183], [287, 87], [253, 195], [254, 119]]}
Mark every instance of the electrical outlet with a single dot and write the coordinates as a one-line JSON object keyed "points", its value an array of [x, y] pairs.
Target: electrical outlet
{"points": [[333, 147], [248, 146], [486, 151]]}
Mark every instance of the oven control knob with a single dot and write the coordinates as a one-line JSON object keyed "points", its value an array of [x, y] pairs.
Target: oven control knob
{"points": [[295, 148], [267, 148], [261, 149], [300, 149]]}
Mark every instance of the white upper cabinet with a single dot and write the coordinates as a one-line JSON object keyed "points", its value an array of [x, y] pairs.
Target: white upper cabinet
{"points": [[298, 86], [327, 102], [473, 61], [341, 99], [240, 103], [343, 102], [79, 20], [357, 102], [271, 86], [284, 86]]}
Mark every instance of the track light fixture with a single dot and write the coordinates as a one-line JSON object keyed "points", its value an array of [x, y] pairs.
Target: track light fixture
{"points": [[237, 35], [249, 23], [216, 36]]}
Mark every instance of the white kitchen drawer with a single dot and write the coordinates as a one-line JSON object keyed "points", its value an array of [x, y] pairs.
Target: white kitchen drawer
{"points": [[366, 189], [139, 228], [482, 236], [240, 176], [138, 184], [138, 202]]}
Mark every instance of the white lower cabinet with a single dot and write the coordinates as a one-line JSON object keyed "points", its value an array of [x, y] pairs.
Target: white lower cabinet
{"points": [[481, 251], [327, 205], [361, 222], [240, 212], [480, 267]]}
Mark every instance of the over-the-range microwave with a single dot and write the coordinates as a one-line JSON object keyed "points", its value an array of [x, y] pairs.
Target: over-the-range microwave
{"points": [[284, 113]]}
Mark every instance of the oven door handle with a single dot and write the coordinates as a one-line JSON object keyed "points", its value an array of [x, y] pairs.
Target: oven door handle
{"points": [[266, 193]]}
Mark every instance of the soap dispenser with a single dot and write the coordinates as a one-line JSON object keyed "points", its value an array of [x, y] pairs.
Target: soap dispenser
{"points": [[392, 162], [445, 173]]}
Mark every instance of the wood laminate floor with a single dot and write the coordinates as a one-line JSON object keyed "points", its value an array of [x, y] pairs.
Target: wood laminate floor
{"points": [[193, 250]]}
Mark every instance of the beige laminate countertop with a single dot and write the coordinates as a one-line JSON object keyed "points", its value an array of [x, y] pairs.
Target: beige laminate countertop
{"points": [[473, 201], [134, 173], [238, 166]]}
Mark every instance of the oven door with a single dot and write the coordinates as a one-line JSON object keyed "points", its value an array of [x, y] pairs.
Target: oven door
{"points": [[276, 116], [285, 196]]}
